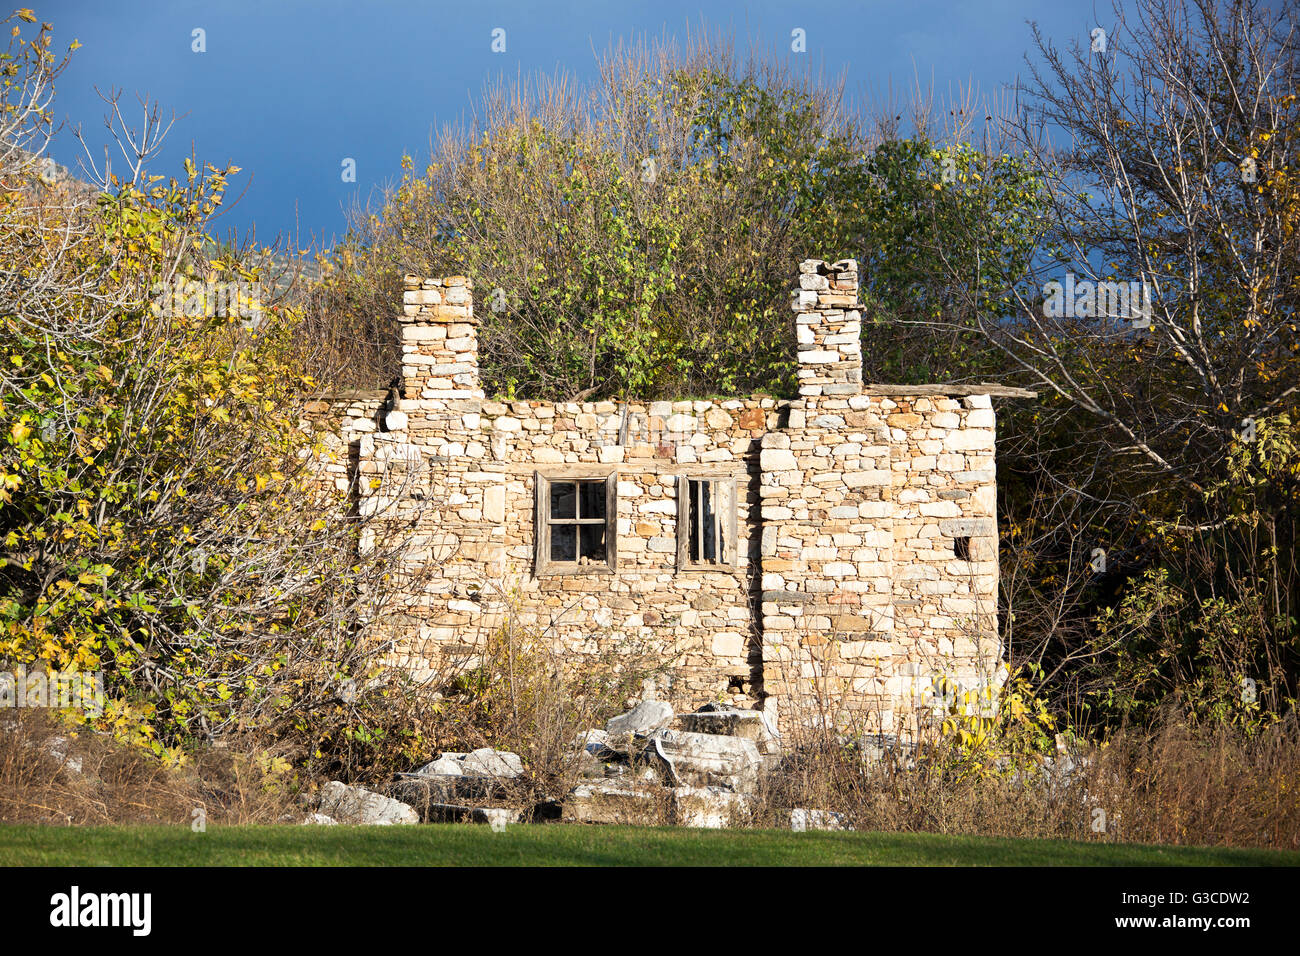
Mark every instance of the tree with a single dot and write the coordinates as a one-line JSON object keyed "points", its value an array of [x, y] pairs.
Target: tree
{"points": [[640, 240], [160, 517], [1175, 183]]}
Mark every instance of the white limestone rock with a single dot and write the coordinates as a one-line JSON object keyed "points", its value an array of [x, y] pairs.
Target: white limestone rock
{"points": [[359, 805], [645, 717]]}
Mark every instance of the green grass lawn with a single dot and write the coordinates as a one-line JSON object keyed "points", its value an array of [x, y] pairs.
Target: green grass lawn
{"points": [[556, 845]]}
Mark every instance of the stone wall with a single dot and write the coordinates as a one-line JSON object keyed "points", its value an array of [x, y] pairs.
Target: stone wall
{"points": [[341, 419], [439, 340], [865, 520], [828, 328], [865, 595], [483, 459]]}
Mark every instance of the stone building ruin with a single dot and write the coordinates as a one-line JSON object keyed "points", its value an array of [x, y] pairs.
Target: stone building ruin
{"points": [[838, 548]]}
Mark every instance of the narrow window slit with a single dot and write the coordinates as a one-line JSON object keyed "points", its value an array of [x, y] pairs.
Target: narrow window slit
{"points": [[706, 521]]}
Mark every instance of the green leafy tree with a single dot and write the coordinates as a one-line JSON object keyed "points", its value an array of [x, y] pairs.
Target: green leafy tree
{"points": [[643, 241]]}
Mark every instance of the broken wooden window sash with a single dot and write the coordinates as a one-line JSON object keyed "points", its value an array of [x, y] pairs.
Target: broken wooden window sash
{"points": [[576, 523], [706, 522]]}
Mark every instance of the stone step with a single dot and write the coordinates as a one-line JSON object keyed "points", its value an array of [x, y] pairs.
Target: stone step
{"points": [[726, 721], [749, 724], [709, 808], [639, 804], [422, 790], [706, 760], [618, 802], [496, 817]]}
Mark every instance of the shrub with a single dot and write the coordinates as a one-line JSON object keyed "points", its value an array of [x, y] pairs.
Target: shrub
{"points": [[160, 515], [526, 694]]}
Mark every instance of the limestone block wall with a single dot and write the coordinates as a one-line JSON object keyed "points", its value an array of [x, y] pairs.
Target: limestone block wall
{"points": [[339, 420], [828, 328], [945, 581], [868, 593], [828, 556], [439, 339], [866, 544], [701, 620], [481, 459]]}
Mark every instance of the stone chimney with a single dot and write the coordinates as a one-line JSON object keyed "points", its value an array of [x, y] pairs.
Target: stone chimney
{"points": [[439, 339], [828, 328]]}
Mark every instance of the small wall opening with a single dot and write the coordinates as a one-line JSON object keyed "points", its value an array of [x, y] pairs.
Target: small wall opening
{"points": [[961, 547]]}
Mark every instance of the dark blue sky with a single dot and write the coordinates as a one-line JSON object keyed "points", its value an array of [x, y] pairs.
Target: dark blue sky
{"points": [[289, 88]]}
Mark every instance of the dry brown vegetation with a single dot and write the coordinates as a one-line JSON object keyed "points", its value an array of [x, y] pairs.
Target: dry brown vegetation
{"points": [[1171, 783], [526, 694], [50, 774], [1167, 784]]}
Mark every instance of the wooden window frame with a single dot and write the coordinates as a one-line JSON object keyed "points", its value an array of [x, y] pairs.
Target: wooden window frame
{"points": [[725, 529], [542, 523]]}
